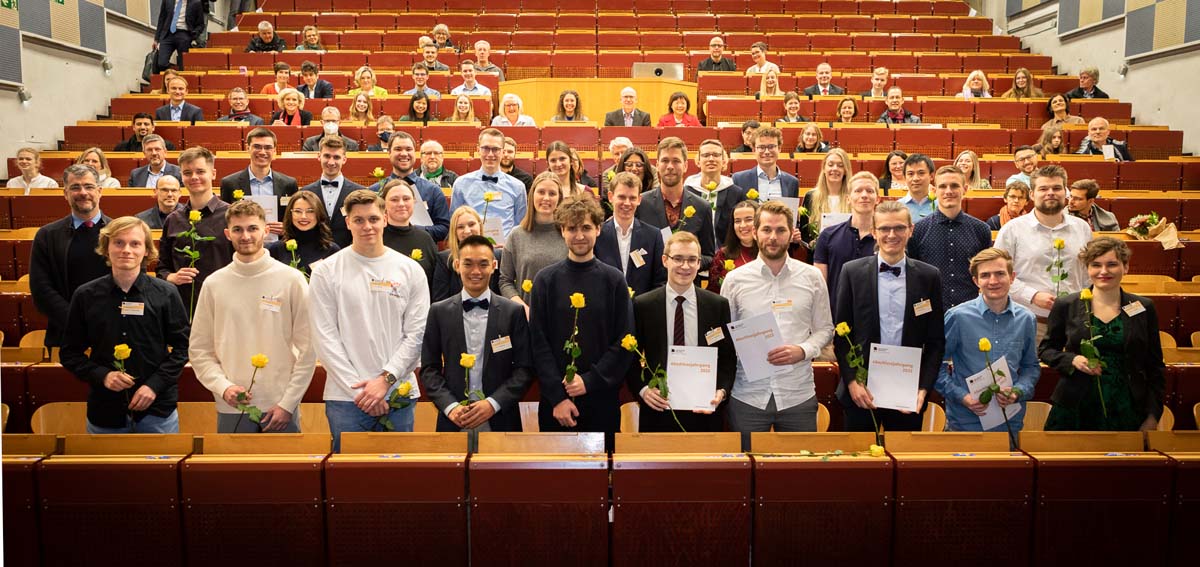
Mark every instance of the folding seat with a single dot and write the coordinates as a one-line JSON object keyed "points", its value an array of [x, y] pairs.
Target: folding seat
{"points": [[251, 61], [426, 5], [770, 7], [617, 64], [945, 111], [1149, 258], [1187, 390], [872, 42], [576, 21], [982, 207], [857, 82], [499, 40], [645, 137], [999, 43], [528, 138], [854, 23], [722, 109], [581, 138], [982, 140], [729, 22], [103, 136], [417, 20], [898, 62], [659, 22], [698, 22], [569, 64], [866, 140], [1191, 182], [1154, 144], [532, 40], [293, 21], [525, 21], [1010, 114], [49, 383], [728, 7], [933, 142], [1125, 208], [406, 40], [789, 41], [914, 42], [527, 65], [1051, 84], [1026, 136], [896, 23], [691, 136], [350, 60], [776, 23], [458, 23], [951, 43], [1189, 267], [578, 7], [575, 40], [879, 7], [215, 137], [939, 63], [807, 168], [120, 167], [830, 42], [297, 58], [359, 7], [667, 56], [1037, 64], [740, 42], [815, 23], [8, 270], [227, 40], [617, 39], [848, 63], [31, 318], [731, 137], [660, 41], [1103, 172], [692, 6], [950, 8], [333, 21], [1074, 134], [465, 138], [973, 25], [206, 60], [839, 7], [617, 21], [802, 7], [1149, 175], [250, 21], [10, 325], [992, 64], [359, 170], [1115, 111], [914, 7], [287, 138], [722, 84], [172, 132], [933, 24]]}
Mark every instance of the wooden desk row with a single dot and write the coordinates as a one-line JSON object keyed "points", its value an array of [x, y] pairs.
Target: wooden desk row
{"points": [[925, 507]]}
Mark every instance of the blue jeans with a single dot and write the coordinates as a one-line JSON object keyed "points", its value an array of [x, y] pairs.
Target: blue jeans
{"points": [[345, 416], [148, 424]]}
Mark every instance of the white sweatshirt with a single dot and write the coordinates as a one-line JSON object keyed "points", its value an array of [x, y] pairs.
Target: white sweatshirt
{"points": [[368, 316], [248, 308]]}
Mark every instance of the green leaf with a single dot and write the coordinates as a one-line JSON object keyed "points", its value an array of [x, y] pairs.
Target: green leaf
{"points": [[985, 396], [387, 423], [1018, 392], [1000, 373], [254, 414], [575, 351], [241, 397]]}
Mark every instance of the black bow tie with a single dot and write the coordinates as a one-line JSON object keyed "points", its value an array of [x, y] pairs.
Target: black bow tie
{"points": [[327, 183], [895, 270], [470, 304], [491, 179]]}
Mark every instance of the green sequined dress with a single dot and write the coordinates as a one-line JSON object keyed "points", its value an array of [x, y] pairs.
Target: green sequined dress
{"points": [[1118, 400]]}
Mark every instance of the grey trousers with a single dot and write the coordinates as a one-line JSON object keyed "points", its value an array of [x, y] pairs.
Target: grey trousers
{"points": [[227, 421], [746, 418]]}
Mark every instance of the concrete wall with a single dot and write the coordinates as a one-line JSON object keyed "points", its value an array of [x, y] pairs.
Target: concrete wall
{"points": [[1159, 89]]}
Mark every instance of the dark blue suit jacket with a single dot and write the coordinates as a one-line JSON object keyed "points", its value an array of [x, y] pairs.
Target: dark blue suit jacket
{"points": [[137, 177], [653, 273], [191, 113], [748, 179], [653, 211], [323, 89]]}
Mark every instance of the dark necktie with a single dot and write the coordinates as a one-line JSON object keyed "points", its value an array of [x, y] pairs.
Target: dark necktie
{"points": [[88, 224], [491, 178], [328, 183], [679, 341], [895, 270], [470, 304]]}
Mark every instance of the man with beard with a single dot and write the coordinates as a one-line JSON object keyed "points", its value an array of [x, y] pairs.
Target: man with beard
{"points": [[433, 165], [402, 150], [796, 294], [154, 149], [668, 205], [143, 125], [1031, 240], [166, 199], [507, 164], [64, 251]]}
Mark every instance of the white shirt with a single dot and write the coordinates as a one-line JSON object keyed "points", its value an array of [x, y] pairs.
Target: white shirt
{"points": [[768, 187], [478, 90], [690, 319], [152, 178], [368, 317], [474, 333], [624, 240], [766, 66], [754, 290], [1031, 245], [330, 194], [39, 182]]}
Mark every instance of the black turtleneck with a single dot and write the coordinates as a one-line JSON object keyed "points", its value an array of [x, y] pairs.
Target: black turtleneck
{"points": [[406, 239], [308, 249]]}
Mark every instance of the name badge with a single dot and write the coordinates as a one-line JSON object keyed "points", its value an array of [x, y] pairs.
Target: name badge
{"points": [[781, 305], [922, 307], [714, 336], [283, 201], [270, 304], [1134, 308], [638, 260], [135, 308], [381, 286], [501, 344]]}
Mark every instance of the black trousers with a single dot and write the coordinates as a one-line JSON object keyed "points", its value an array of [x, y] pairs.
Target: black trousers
{"points": [[858, 419], [178, 42]]}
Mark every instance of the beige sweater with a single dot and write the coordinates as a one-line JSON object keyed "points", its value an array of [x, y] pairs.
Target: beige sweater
{"points": [[248, 308]]}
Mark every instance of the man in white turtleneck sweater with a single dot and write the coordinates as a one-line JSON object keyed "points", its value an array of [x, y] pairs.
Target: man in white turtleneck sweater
{"points": [[255, 305]]}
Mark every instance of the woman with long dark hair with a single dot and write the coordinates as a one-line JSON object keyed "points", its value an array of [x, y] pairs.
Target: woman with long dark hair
{"points": [[306, 223]]}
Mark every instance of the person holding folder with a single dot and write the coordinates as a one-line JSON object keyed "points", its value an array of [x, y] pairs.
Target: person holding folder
{"points": [[680, 314], [888, 299]]}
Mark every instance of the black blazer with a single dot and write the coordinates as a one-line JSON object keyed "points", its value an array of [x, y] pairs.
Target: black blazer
{"points": [[323, 89], [1143, 352], [138, 177], [195, 19], [506, 374], [727, 199], [858, 306], [653, 273], [815, 90], [285, 186], [1077, 93], [617, 118], [337, 221], [653, 212], [650, 328], [305, 117], [191, 113], [48, 281]]}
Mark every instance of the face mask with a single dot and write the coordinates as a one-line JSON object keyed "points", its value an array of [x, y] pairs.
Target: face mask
{"points": [[331, 128], [385, 136]]}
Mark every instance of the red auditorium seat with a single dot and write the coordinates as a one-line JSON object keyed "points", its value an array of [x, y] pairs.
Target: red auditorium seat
{"points": [[1150, 175], [848, 60], [724, 6], [800, 61], [915, 42], [575, 21], [576, 40], [499, 40], [933, 142], [660, 41], [914, 7], [825, 110], [287, 138], [728, 22], [706, 23], [379, 60], [1154, 144], [656, 22], [215, 137], [1191, 178], [526, 65], [982, 141], [945, 111], [866, 140], [973, 25], [1009, 114], [894, 23], [1149, 258], [525, 21], [48, 383], [22, 255], [615, 64], [939, 63], [1125, 208], [854, 23], [566, 64], [1115, 111], [776, 23], [528, 138], [124, 108], [581, 138], [990, 63], [872, 42], [10, 319], [532, 40], [104, 136], [933, 24], [461, 138], [732, 110], [616, 38], [1051, 84], [1037, 64], [1103, 172], [982, 207], [959, 42], [950, 8], [8, 271], [1189, 257], [250, 21], [376, 21], [641, 136], [830, 42], [370, 40]]}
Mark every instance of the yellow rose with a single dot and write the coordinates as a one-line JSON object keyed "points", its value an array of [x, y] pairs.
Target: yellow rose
{"points": [[194, 216], [843, 329], [876, 451], [985, 345], [611, 175], [403, 389], [689, 212], [378, 172], [577, 301], [416, 254], [238, 194], [631, 292], [729, 265], [752, 194], [711, 185], [629, 343], [122, 351], [1059, 244], [802, 211], [489, 196], [291, 245], [259, 360], [527, 286], [466, 360], [1086, 294]]}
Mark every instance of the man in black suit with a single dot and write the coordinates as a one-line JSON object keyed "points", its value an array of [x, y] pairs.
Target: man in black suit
{"points": [[177, 109], [259, 179], [64, 251], [668, 204], [681, 313], [166, 201], [824, 84], [484, 394], [892, 300], [179, 22], [628, 114], [311, 85], [155, 151], [1088, 77], [143, 125], [628, 244], [239, 109], [333, 187]]}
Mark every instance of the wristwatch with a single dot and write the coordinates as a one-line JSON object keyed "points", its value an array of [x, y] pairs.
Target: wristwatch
{"points": [[391, 378]]}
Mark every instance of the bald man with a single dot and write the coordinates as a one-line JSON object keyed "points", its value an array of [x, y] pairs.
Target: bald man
{"points": [[1098, 137]]}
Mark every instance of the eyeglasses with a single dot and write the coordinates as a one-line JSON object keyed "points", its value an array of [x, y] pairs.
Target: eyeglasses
{"points": [[261, 148], [430, 153], [686, 260], [488, 150], [711, 155], [898, 229], [770, 148]]}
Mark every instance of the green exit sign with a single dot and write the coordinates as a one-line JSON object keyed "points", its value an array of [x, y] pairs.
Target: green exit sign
{"points": [[10, 4]]}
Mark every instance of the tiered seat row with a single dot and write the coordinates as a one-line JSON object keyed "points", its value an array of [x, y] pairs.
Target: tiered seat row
{"points": [[590, 8]]}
